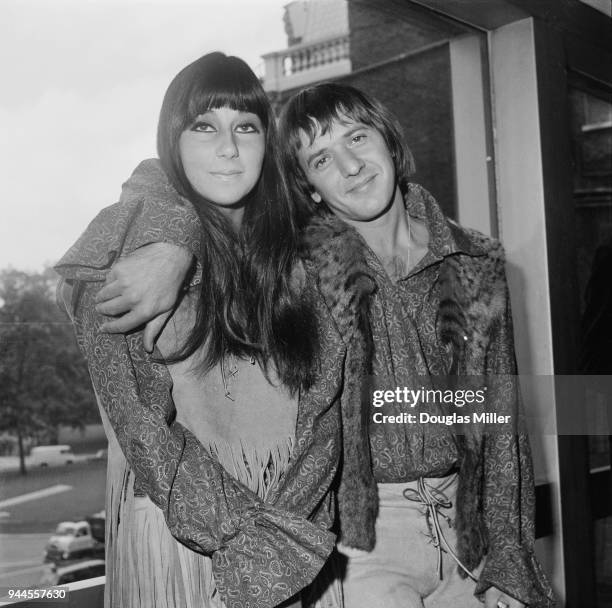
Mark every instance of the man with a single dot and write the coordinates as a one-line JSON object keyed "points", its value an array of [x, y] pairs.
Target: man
{"points": [[425, 504], [437, 304]]}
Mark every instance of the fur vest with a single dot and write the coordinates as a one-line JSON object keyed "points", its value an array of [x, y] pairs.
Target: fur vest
{"points": [[473, 300]]}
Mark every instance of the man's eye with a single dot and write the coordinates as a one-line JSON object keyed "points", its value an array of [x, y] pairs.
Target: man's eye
{"points": [[358, 138], [320, 162], [247, 127], [203, 127]]}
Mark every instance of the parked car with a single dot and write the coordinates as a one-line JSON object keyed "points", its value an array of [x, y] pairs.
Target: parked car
{"points": [[56, 574], [47, 455], [73, 539], [97, 525]]}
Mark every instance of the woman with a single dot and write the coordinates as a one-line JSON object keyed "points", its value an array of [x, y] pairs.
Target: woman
{"points": [[229, 429]]}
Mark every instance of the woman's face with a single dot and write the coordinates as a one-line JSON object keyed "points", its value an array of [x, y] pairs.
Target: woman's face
{"points": [[222, 153]]}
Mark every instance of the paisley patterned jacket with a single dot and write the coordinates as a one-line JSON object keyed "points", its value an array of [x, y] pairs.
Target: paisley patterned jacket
{"points": [[263, 552], [496, 498]]}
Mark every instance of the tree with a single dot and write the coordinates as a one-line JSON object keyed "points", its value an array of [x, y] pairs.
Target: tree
{"points": [[44, 380]]}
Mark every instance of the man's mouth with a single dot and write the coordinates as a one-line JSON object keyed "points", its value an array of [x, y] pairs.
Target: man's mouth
{"points": [[361, 185]]}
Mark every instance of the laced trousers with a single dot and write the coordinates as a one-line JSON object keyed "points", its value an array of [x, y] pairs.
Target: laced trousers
{"points": [[410, 566]]}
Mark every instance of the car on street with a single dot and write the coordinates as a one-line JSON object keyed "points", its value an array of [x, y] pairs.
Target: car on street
{"points": [[49, 455], [71, 540]]}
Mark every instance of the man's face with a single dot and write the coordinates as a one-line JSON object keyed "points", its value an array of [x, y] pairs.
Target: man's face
{"points": [[351, 169]]}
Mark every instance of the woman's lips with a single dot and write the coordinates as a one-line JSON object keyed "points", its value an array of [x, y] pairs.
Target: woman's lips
{"points": [[226, 175]]}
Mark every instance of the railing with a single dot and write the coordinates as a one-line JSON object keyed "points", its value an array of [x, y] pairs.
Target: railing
{"points": [[301, 64]]}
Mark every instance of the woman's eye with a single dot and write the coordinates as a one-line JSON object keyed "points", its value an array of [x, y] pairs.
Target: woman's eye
{"points": [[247, 127], [203, 127], [358, 138]]}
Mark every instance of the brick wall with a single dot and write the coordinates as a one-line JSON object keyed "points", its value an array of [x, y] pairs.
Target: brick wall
{"points": [[417, 91], [385, 28]]}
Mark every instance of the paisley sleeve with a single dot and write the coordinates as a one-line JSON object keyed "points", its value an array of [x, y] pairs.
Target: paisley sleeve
{"points": [[150, 211], [262, 554], [509, 494]]}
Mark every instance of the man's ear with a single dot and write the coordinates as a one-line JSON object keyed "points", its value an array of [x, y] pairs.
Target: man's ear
{"points": [[315, 196]]}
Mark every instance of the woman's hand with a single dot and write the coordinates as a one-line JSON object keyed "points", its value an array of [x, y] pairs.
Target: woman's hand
{"points": [[494, 598], [143, 287]]}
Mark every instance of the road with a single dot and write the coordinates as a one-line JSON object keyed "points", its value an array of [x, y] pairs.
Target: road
{"points": [[21, 559], [31, 507]]}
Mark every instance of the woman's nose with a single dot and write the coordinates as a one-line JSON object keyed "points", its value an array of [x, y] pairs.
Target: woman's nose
{"points": [[227, 147]]}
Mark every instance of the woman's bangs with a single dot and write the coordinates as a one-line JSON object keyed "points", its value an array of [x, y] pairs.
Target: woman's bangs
{"points": [[242, 99]]}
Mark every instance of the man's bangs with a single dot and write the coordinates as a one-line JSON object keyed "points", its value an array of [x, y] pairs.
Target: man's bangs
{"points": [[320, 122]]}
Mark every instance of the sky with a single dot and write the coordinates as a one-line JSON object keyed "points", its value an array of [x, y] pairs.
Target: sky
{"points": [[81, 86]]}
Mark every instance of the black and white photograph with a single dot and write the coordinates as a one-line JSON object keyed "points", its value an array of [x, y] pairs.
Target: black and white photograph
{"points": [[306, 304]]}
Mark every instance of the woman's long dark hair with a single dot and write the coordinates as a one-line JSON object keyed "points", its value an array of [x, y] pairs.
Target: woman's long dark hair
{"points": [[250, 303]]}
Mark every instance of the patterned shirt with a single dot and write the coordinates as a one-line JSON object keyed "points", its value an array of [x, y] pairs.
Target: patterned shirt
{"points": [[408, 353]]}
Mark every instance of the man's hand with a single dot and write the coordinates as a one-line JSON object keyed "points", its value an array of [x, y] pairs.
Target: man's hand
{"points": [[144, 287], [494, 598]]}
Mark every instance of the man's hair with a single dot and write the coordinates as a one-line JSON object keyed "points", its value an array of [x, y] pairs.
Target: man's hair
{"points": [[313, 110]]}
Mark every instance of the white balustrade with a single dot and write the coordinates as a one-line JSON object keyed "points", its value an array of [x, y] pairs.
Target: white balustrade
{"points": [[302, 64]]}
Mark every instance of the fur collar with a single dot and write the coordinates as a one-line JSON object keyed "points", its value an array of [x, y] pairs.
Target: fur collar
{"points": [[337, 252], [472, 288]]}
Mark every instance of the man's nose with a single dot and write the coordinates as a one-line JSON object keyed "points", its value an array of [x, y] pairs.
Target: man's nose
{"points": [[227, 147], [350, 163]]}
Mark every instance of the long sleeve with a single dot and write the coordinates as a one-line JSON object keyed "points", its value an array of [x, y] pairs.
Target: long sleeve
{"points": [[273, 553], [262, 552], [149, 211], [509, 495]]}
